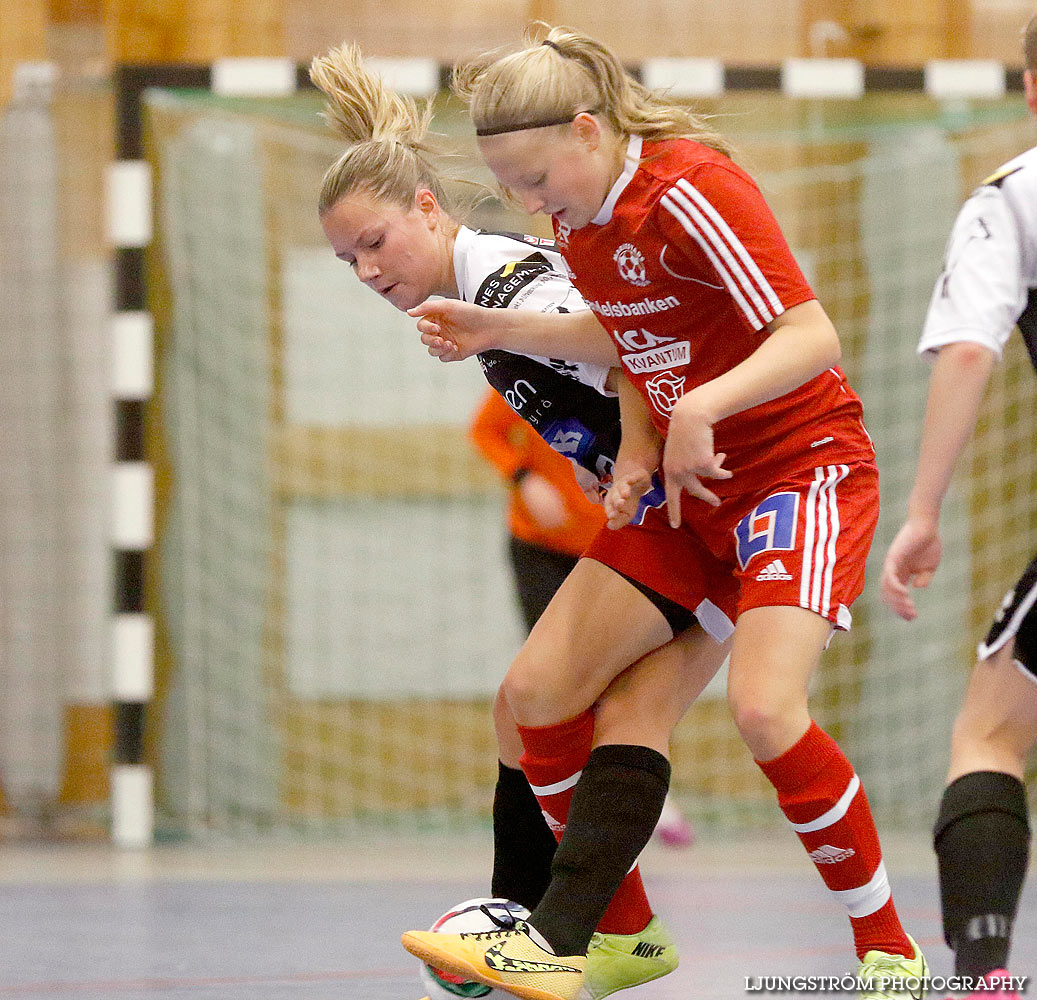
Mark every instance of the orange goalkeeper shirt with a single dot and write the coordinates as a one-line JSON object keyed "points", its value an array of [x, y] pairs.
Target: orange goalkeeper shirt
{"points": [[509, 444]]}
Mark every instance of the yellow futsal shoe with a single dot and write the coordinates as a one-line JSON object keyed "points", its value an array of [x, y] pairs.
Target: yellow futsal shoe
{"points": [[506, 959], [894, 977], [618, 961]]}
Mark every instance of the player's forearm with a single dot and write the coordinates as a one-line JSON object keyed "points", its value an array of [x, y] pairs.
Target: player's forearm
{"points": [[573, 336], [956, 387], [640, 443], [802, 344]]}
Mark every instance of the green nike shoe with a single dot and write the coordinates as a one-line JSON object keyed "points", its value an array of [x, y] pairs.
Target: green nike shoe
{"points": [[894, 977], [618, 961]]}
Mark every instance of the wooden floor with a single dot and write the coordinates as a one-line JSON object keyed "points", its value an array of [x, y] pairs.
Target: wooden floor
{"points": [[297, 921]]}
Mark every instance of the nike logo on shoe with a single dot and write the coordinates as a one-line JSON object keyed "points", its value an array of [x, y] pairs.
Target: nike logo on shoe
{"points": [[645, 950], [494, 958]]}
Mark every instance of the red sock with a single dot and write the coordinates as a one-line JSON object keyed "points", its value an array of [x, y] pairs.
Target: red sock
{"points": [[553, 759], [822, 798]]}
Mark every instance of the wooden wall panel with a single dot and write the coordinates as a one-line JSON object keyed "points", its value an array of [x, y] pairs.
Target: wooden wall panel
{"points": [[738, 31], [76, 11], [997, 29], [441, 30], [23, 38], [193, 31], [887, 32], [882, 32]]}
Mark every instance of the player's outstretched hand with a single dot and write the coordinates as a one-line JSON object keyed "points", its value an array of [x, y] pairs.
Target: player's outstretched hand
{"points": [[912, 559], [453, 330], [543, 501], [688, 458], [589, 484], [624, 495]]}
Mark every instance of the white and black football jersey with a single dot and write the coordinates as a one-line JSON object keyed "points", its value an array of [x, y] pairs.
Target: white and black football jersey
{"points": [[565, 402], [989, 281]]}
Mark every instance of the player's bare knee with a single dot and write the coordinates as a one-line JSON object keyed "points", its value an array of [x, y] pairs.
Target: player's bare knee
{"points": [[522, 692], [758, 721], [536, 691], [1004, 732]]}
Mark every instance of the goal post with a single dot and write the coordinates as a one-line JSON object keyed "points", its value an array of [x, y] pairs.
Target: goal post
{"points": [[331, 593]]}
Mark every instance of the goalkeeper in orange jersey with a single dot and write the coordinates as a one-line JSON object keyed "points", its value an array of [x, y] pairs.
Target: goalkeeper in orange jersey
{"points": [[550, 519]]}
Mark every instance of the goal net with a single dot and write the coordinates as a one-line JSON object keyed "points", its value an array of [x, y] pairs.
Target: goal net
{"points": [[331, 587]]}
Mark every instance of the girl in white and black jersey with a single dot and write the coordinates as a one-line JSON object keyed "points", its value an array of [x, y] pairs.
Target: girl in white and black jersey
{"points": [[384, 208], [987, 289]]}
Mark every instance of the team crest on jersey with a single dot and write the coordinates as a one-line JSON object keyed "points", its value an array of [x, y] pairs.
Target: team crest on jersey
{"points": [[562, 231], [631, 264], [770, 526], [664, 390]]}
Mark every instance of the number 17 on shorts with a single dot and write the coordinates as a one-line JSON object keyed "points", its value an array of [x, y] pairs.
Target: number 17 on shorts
{"points": [[805, 543]]}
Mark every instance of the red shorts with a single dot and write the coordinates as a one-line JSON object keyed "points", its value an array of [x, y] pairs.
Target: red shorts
{"points": [[675, 564], [802, 541]]}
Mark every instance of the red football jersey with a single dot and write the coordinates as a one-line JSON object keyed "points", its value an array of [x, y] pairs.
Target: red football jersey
{"points": [[685, 265]]}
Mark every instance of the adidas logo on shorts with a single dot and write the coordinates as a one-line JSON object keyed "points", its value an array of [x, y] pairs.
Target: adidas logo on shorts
{"points": [[774, 571]]}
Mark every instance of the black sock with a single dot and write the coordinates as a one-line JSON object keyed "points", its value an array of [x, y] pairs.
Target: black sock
{"points": [[523, 844], [615, 807], [982, 840]]}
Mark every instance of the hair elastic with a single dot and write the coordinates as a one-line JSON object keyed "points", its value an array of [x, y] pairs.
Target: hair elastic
{"points": [[552, 45]]}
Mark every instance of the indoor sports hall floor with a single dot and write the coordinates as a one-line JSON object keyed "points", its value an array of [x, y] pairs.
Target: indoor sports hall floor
{"points": [[300, 921]]}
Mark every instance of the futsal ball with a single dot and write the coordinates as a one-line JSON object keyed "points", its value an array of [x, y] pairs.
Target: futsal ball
{"points": [[471, 915]]}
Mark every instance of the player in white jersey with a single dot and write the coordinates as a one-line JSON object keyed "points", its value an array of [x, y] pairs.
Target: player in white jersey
{"points": [[381, 209], [988, 288]]}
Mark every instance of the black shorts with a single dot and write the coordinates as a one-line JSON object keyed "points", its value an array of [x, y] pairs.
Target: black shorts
{"points": [[538, 573], [1017, 618]]}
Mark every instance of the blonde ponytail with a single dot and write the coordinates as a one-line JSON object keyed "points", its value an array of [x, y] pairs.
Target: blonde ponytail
{"points": [[561, 73], [389, 153], [360, 108]]}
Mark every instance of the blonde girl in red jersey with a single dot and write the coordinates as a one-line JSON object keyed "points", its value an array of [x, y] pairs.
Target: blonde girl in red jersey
{"points": [[731, 390]]}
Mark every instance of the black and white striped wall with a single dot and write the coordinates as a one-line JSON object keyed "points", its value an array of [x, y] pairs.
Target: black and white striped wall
{"points": [[129, 210]]}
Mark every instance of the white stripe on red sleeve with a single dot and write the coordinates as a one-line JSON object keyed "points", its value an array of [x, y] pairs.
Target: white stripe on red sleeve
{"points": [[689, 218], [747, 259]]}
